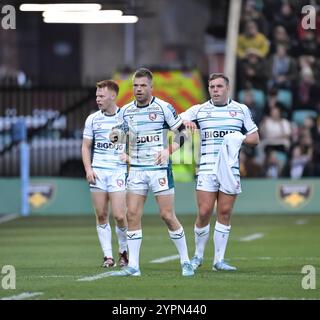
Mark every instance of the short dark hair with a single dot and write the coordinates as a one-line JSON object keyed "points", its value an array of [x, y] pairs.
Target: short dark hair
{"points": [[143, 72], [214, 76], [110, 84]]}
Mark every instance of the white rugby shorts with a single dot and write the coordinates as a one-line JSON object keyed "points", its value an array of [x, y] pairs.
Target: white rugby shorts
{"points": [[109, 181], [210, 183], [160, 182]]}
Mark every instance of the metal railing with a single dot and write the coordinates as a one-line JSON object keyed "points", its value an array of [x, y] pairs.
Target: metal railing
{"points": [[55, 119]]}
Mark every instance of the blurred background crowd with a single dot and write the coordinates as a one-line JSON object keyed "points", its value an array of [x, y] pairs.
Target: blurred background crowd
{"points": [[48, 73], [278, 77]]}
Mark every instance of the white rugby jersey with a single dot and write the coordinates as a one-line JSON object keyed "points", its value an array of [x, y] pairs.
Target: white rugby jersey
{"points": [[105, 154], [214, 122], [148, 128]]}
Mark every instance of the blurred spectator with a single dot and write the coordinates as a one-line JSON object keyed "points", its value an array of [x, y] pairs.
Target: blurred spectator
{"points": [[306, 154], [307, 44], [317, 122], [280, 36], [252, 39], [283, 69], [315, 132], [272, 98], [270, 7], [252, 12], [290, 78], [253, 70], [307, 93], [273, 166], [275, 131], [287, 18], [299, 164], [310, 124], [249, 168], [254, 100]]}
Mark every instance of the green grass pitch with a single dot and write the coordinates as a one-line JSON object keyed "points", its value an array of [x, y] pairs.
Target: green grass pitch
{"points": [[50, 254]]}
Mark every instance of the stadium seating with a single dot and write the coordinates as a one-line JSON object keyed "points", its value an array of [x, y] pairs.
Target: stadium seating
{"points": [[299, 116], [258, 97], [285, 97]]}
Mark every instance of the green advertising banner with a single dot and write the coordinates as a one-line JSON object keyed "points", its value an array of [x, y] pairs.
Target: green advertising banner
{"points": [[60, 196]]}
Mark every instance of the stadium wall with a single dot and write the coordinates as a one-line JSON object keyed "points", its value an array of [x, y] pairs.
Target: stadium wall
{"points": [[60, 196]]}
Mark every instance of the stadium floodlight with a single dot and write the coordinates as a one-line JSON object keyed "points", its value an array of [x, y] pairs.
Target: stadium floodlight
{"points": [[60, 7], [88, 17]]}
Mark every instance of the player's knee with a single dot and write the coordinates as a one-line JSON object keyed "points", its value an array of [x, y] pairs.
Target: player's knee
{"points": [[133, 216], [120, 218], [102, 219], [101, 215], [225, 210], [204, 212], [167, 216]]}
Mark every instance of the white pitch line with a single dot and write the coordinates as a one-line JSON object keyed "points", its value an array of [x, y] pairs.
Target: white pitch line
{"points": [[109, 273], [275, 258], [9, 217], [54, 276], [165, 259], [285, 298], [250, 258], [97, 276], [252, 237], [22, 296], [301, 221]]}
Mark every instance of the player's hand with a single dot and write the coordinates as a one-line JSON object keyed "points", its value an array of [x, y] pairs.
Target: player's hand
{"points": [[114, 135], [190, 125], [162, 157], [91, 176]]}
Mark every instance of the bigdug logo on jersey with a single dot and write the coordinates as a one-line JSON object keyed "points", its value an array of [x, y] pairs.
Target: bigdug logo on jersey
{"points": [[149, 138], [109, 145], [217, 133]]}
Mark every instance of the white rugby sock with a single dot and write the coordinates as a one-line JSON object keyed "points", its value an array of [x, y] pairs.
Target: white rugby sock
{"points": [[201, 236], [179, 240], [220, 239], [122, 238], [134, 243], [104, 235]]}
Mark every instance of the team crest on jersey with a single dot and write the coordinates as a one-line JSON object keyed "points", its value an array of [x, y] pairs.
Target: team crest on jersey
{"points": [[152, 116], [233, 113], [295, 195], [162, 181], [40, 194], [120, 182]]}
